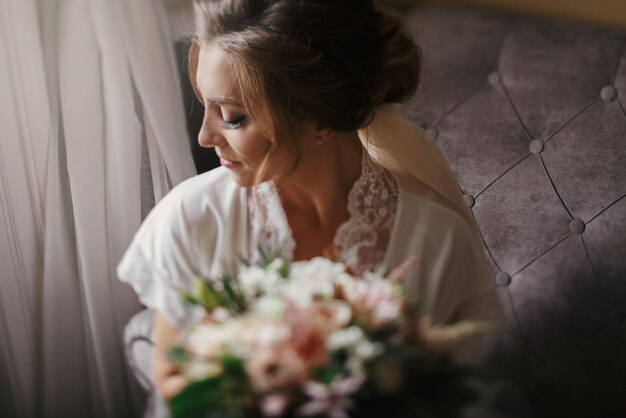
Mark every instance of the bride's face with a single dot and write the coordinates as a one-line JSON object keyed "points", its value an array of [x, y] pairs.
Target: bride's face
{"points": [[228, 127]]}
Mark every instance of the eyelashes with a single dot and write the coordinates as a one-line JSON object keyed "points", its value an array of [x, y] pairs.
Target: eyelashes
{"points": [[234, 123], [231, 124]]}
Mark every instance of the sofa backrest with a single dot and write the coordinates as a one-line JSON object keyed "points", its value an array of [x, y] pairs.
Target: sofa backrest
{"points": [[531, 115]]}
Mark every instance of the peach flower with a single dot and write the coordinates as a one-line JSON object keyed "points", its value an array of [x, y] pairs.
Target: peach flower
{"points": [[273, 367]]}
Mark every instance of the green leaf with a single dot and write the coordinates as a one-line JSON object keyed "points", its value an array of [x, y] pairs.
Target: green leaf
{"points": [[177, 354], [283, 271], [190, 299], [234, 295], [196, 399], [208, 296], [266, 259], [228, 395], [327, 374]]}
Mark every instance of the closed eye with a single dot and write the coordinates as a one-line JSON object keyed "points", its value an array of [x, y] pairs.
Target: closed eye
{"points": [[234, 123]]}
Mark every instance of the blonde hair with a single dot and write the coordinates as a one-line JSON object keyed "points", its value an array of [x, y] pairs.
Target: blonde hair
{"points": [[328, 61]]}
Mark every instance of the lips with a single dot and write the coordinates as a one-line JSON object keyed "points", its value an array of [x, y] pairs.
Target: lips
{"points": [[228, 163]]}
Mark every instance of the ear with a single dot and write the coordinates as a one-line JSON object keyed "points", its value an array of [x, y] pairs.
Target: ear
{"points": [[323, 133]]}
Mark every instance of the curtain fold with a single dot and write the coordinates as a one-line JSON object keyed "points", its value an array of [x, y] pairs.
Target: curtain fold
{"points": [[92, 133]]}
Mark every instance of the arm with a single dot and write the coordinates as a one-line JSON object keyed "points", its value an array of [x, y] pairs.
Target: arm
{"points": [[477, 301], [168, 379], [188, 234]]}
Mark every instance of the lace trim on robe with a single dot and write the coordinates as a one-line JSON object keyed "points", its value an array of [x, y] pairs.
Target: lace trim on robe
{"points": [[268, 226], [372, 205], [362, 240]]}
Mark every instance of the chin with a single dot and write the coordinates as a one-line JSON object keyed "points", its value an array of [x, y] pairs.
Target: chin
{"points": [[242, 180]]}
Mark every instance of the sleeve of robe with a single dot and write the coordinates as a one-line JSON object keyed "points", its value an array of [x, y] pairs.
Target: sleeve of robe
{"points": [[451, 279], [197, 230]]}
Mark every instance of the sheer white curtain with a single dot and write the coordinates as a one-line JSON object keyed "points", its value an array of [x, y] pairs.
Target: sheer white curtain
{"points": [[91, 134]]}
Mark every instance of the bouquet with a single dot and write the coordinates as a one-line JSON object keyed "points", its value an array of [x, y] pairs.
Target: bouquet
{"points": [[310, 339]]}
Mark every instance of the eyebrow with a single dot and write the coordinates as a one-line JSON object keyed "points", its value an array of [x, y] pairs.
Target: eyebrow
{"points": [[223, 101]]}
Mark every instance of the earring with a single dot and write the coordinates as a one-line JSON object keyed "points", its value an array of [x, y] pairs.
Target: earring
{"points": [[318, 140]]}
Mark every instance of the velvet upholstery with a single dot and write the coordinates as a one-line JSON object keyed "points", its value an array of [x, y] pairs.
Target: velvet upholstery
{"points": [[530, 114]]}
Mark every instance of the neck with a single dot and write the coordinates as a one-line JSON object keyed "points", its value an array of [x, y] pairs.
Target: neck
{"points": [[317, 191]]}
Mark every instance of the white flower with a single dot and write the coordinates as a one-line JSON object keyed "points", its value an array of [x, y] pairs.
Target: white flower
{"points": [[367, 350], [207, 340], [357, 346], [276, 265], [303, 291], [356, 367], [339, 313], [386, 312], [243, 336], [376, 302], [345, 338], [254, 280], [270, 306], [200, 370], [332, 400], [359, 355], [253, 331], [318, 268], [272, 333], [345, 278], [310, 281], [220, 314], [354, 289], [274, 404]]}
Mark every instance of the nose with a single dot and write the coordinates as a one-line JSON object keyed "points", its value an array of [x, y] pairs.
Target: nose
{"points": [[209, 137]]}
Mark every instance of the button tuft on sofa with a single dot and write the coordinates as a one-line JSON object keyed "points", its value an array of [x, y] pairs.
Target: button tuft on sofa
{"points": [[433, 132], [469, 200], [503, 279], [536, 146], [494, 78], [577, 226], [608, 93]]}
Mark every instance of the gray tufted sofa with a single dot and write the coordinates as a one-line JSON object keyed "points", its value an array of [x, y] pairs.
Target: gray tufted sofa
{"points": [[531, 115]]}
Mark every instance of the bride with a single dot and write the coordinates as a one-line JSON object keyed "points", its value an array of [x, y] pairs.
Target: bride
{"points": [[316, 161]]}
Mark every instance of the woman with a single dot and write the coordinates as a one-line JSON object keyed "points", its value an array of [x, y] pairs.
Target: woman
{"points": [[315, 162]]}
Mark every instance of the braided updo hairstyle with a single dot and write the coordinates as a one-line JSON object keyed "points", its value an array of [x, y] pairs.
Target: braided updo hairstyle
{"points": [[328, 61]]}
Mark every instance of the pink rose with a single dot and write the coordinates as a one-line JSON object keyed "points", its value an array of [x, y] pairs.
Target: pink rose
{"points": [[274, 367], [377, 304], [310, 328]]}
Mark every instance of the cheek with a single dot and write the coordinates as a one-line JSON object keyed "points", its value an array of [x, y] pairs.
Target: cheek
{"points": [[251, 146]]}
